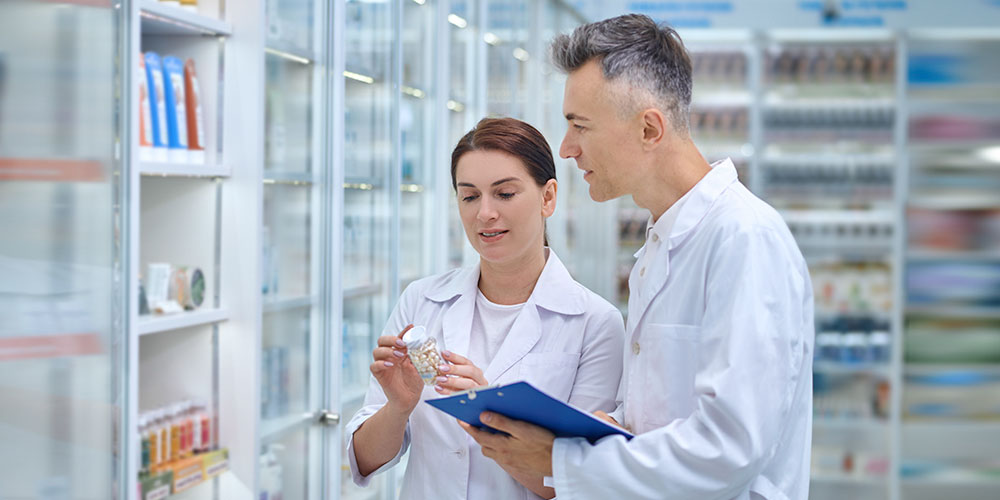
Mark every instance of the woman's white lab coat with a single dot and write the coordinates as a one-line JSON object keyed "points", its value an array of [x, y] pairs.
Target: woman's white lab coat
{"points": [[567, 341]]}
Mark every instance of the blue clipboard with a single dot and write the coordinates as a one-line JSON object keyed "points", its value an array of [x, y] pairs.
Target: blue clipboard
{"points": [[522, 401]]}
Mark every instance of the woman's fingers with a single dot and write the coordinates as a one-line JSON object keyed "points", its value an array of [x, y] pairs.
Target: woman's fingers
{"points": [[448, 385]]}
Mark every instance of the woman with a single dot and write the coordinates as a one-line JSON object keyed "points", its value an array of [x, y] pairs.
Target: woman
{"points": [[517, 315]]}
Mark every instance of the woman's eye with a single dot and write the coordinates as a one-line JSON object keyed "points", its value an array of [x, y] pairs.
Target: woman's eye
{"points": [[506, 196], [469, 198]]}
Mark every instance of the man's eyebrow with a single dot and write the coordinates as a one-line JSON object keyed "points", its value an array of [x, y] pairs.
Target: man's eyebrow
{"points": [[574, 116], [497, 183]]}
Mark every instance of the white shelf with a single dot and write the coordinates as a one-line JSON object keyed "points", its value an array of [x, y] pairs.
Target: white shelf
{"points": [[353, 397], [361, 291], [833, 368], [159, 18], [947, 311], [851, 424], [272, 428], [278, 177], [839, 217], [956, 201], [953, 479], [954, 255], [936, 368], [276, 304], [163, 323], [843, 479], [154, 169], [732, 99]]}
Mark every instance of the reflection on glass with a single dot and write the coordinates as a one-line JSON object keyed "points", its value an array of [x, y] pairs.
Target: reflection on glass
{"points": [[368, 147], [291, 345], [288, 114], [58, 370]]}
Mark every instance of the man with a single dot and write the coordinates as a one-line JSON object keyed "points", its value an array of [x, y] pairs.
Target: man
{"points": [[717, 383]]}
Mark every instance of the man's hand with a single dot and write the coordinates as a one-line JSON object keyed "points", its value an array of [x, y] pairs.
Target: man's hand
{"points": [[527, 449]]}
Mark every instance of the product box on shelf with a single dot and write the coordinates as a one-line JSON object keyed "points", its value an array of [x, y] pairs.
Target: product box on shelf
{"points": [[215, 462], [156, 487], [188, 472]]}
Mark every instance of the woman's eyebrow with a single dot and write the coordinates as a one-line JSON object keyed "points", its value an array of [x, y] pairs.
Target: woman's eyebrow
{"points": [[497, 183]]}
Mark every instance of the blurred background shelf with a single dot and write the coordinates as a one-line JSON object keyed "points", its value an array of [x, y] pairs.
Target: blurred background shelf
{"points": [[161, 18], [163, 323]]}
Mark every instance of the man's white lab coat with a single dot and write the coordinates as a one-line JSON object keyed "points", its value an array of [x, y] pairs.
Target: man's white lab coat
{"points": [[718, 361], [566, 341]]}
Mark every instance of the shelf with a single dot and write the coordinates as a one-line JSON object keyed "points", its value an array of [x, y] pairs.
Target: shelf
{"points": [[288, 178], [954, 255], [953, 479], [353, 397], [843, 479], [163, 323], [361, 291], [734, 99], [834, 368], [159, 18], [276, 304], [273, 428], [50, 170], [935, 368], [154, 169], [838, 217], [850, 424], [949, 311], [956, 201]]}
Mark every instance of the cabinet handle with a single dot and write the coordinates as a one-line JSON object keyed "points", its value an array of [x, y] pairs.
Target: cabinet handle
{"points": [[327, 417]]}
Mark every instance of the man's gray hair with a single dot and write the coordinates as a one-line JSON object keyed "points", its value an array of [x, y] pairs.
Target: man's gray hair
{"points": [[634, 50]]}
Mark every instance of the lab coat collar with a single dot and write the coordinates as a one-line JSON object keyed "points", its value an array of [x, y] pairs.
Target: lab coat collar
{"points": [[701, 198], [555, 289]]}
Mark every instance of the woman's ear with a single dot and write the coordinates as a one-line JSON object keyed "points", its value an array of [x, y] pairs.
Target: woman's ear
{"points": [[549, 197]]}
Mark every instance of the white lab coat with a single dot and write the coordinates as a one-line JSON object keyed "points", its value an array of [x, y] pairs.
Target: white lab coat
{"points": [[718, 362], [566, 340]]}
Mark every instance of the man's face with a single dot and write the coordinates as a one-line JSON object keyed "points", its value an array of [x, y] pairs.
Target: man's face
{"points": [[602, 143]]}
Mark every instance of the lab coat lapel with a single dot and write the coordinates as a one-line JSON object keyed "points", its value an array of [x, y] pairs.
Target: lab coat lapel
{"points": [[457, 323], [524, 334]]}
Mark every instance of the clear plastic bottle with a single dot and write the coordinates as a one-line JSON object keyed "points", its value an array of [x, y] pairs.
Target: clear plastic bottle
{"points": [[143, 446], [163, 427], [423, 352], [152, 434]]}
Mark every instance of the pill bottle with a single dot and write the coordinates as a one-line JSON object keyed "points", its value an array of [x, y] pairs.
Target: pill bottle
{"points": [[423, 352]]}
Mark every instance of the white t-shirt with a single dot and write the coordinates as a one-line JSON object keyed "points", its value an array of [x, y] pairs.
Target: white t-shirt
{"points": [[490, 325]]}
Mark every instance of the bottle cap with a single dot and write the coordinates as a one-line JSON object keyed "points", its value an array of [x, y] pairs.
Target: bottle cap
{"points": [[415, 337]]}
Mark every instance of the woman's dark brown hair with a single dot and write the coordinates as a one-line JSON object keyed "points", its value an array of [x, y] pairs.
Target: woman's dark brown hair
{"points": [[513, 137]]}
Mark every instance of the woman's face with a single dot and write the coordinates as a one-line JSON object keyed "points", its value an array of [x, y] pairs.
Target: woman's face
{"points": [[502, 208]]}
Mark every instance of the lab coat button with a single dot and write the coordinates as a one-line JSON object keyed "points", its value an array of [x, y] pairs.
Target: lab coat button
{"points": [[656, 237], [635, 348]]}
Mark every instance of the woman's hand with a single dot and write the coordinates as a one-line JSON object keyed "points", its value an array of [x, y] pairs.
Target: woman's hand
{"points": [[396, 374], [460, 375]]}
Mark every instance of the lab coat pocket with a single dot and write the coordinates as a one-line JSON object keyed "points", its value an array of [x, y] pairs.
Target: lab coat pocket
{"points": [[670, 355], [552, 372]]}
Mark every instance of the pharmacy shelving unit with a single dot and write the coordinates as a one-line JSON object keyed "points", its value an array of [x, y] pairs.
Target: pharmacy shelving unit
{"points": [[196, 213], [879, 149], [827, 151], [951, 354]]}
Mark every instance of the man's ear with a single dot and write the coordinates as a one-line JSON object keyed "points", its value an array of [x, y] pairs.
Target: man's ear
{"points": [[654, 128], [549, 197]]}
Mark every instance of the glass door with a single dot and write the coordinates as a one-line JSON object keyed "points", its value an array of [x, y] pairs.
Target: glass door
{"points": [[293, 372], [61, 269], [369, 144]]}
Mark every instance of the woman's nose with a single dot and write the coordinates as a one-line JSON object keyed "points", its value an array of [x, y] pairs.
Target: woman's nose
{"points": [[486, 211]]}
